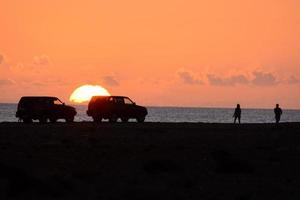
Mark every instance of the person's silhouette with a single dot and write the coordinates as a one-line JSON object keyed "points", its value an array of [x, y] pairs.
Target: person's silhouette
{"points": [[278, 113], [237, 113]]}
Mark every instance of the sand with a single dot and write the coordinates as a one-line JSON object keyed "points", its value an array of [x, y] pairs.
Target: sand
{"points": [[149, 161]]}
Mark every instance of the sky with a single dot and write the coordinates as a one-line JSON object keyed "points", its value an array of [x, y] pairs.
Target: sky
{"points": [[194, 53]]}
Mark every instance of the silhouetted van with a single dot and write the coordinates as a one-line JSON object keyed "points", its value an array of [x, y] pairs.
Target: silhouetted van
{"points": [[44, 108], [115, 107]]}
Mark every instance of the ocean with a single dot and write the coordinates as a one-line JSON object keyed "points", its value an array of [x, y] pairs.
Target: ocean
{"points": [[180, 114]]}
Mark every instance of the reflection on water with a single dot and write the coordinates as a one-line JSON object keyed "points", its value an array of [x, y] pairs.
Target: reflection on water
{"points": [[177, 114]]}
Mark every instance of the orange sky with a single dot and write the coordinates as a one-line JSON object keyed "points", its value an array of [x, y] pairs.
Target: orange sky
{"points": [[160, 52]]}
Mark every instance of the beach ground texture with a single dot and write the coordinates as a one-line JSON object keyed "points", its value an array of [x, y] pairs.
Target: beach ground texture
{"points": [[149, 161]]}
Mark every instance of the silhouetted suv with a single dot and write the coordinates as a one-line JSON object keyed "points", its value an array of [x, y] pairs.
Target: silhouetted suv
{"points": [[115, 107], [44, 109]]}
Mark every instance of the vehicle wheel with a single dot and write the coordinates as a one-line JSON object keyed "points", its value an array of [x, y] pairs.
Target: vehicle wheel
{"points": [[43, 120], [53, 120], [113, 119], [27, 120], [140, 119], [70, 119], [124, 119], [97, 118]]}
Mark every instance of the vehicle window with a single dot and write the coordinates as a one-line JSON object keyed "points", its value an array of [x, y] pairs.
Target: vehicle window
{"points": [[119, 100], [111, 99], [46, 102], [128, 101], [57, 102]]}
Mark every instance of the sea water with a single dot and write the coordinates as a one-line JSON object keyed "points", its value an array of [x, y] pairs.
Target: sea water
{"points": [[180, 114]]}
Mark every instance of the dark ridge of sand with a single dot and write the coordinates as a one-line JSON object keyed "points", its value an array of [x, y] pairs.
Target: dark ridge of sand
{"points": [[149, 161]]}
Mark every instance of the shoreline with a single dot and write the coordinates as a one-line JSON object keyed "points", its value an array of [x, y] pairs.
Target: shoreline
{"points": [[141, 123], [170, 125], [189, 107]]}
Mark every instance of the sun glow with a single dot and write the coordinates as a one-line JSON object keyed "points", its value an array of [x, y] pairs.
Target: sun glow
{"points": [[84, 93]]}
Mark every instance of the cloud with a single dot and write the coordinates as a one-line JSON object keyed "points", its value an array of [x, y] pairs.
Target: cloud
{"points": [[1, 59], [293, 80], [228, 81], [6, 82], [41, 60], [264, 79], [111, 81], [260, 78], [4, 61], [39, 84], [188, 77]]}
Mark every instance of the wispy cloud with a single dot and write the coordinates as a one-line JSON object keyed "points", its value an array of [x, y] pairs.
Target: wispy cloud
{"points": [[293, 80], [4, 61], [258, 78], [1, 59], [264, 79], [110, 80], [41, 60], [6, 82], [227, 81], [189, 77]]}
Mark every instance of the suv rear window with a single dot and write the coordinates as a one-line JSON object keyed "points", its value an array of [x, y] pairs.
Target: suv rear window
{"points": [[128, 101]]}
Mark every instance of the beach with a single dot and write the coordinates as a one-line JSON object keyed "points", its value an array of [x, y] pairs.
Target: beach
{"points": [[84, 160]]}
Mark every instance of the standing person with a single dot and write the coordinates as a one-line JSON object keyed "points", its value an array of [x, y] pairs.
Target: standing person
{"points": [[278, 113], [237, 113]]}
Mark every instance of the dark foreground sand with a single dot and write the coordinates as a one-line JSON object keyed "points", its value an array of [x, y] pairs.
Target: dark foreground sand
{"points": [[149, 161]]}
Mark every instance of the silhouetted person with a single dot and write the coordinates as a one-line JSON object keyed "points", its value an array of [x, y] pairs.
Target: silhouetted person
{"points": [[278, 113], [237, 113]]}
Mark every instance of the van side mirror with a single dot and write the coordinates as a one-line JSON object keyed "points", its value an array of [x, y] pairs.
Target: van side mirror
{"points": [[134, 103], [64, 104]]}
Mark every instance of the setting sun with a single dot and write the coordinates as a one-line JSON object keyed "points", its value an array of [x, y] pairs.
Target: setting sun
{"points": [[84, 93]]}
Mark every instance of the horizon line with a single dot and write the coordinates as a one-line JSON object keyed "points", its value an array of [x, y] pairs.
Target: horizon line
{"points": [[177, 106]]}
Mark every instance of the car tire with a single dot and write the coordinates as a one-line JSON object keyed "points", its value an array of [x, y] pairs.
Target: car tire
{"points": [[53, 120], [124, 119], [69, 119], [27, 120], [97, 118], [43, 120], [140, 119], [113, 119]]}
